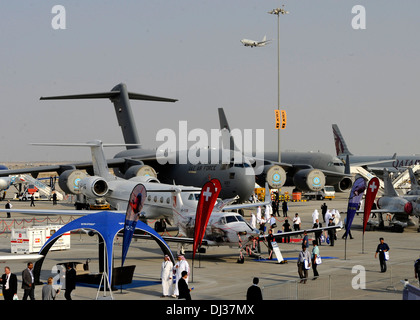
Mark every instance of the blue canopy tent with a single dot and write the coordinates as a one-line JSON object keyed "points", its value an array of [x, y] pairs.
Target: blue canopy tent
{"points": [[107, 224]]}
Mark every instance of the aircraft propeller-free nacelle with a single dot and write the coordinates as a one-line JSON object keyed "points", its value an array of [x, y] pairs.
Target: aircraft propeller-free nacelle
{"points": [[93, 187], [274, 175], [69, 181], [344, 185], [309, 180], [4, 183], [140, 171]]}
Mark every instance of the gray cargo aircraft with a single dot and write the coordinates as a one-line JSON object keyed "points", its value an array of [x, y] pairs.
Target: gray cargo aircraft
{"points": [[376, 164], [234, 176], [307, 171]]}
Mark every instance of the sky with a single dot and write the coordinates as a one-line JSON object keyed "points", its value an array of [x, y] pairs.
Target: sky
{"points": [[364, 80]]}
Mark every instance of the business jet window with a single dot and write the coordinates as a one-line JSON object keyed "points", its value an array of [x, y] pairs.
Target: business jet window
{"points": [[240, 219], [230, 219], [194, 196]]}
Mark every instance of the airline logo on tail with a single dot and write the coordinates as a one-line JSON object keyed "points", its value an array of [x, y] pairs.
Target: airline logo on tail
{"points": [[340, 144]]}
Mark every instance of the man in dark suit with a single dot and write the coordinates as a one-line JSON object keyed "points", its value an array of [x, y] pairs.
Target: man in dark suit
{"points": [[254, 292], [184, 291], [9, 281], [70, 281], [28, 285]]}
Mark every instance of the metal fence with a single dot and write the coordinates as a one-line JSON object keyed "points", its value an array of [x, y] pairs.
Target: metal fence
{"points": [[346, 284]]}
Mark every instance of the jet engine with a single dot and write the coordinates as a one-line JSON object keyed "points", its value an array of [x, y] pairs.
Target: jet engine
{"points": [[69, 181], [93, 187], [274, 175], [309, 180], [4, 183], [140, 170], [344, 185]]}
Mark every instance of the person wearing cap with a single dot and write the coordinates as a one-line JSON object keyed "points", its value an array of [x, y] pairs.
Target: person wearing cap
{"points": [[166, 275], [331, 232]]}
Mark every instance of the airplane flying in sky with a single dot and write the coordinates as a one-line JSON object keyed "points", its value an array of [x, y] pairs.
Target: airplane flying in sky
{"points": [[234, 176], [308, 171], [253, 43], [376, 164]]}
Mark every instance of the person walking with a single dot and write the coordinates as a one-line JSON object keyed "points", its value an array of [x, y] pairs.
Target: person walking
{"points": [[315, 256], [70, 281], [28, 285], [303, 263], [417, 270], [184, 291], [284, 208], [254, 292], [286, 228], [48, 291], [166, 275], [8, 205], [383, 250], [9, 281], [180, 266], [331, 232]]}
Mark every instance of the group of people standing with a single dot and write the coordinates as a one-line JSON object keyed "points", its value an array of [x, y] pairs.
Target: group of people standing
{"points": [[10, 284], [175, 278]]}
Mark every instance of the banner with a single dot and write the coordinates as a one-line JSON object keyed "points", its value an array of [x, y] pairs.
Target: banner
{"points": [[283, 119], [135, 204], [206, 202], [356, 195], [372, 189]]}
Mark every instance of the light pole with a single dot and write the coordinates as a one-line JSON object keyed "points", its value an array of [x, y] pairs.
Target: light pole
{"points": [[277, 12]]}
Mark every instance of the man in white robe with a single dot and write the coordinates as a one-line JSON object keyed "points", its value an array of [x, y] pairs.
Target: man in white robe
{"points": [[166, 275]]}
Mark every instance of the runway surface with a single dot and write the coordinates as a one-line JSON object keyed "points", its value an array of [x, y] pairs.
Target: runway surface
{"points": [[349, 270]]}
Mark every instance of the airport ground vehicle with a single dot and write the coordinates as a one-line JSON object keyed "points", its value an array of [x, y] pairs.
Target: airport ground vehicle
{"points": [[327, 192]]}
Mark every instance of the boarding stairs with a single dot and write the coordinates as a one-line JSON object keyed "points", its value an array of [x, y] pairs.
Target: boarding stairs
{"points": [[403, 180], [43, 189], [367, 175]]}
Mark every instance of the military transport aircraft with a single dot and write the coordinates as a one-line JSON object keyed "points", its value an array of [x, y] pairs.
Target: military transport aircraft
{"points": [[234, 175], [307, 171]]}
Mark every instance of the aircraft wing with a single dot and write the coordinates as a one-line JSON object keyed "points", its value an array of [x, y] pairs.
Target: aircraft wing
{"points": [[59, 168], [56, 212], [294, 233], [21, 257], [170, 239]]}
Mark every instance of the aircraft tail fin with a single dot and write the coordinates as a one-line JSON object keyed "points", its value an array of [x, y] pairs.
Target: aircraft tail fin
{"points": [[224, 126], [120, 97], [389, 189], [100, 165], [264, 39], [340, 143], [413, 179]]}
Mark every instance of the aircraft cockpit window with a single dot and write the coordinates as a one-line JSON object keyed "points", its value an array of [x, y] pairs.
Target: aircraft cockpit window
{"points": [[230, 219], [240, 219], [222, 220], [191, 197]]}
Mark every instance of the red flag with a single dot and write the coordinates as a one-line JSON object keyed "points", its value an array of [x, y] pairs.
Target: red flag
{"points": [[206, 202], [372, 189]]}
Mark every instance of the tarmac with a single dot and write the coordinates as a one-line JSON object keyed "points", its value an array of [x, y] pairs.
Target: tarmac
{"points": [[349, 270]]}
